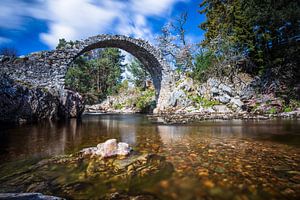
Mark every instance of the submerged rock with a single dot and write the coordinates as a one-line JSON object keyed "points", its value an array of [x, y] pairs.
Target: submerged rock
{"points": [[88, 177], [120, 196], [71, 104], [108, 149]]}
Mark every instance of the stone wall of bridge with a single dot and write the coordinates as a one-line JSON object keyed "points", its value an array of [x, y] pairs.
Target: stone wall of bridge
{"points": [[48, 68]]}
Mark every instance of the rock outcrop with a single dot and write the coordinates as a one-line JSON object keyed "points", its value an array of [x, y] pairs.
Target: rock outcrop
{"points": [[21, 102], [216, 96], [71, 104]]}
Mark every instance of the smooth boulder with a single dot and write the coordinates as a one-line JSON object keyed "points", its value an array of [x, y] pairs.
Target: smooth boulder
{"points": [[108, 149]]}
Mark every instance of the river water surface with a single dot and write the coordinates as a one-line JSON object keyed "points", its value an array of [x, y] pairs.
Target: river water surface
{"points": [[212, 159]]}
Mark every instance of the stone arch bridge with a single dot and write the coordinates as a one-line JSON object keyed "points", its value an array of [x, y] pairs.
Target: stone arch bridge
{"points": [[48, 68]]}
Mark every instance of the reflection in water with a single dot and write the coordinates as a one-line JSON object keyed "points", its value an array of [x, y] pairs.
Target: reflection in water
{"points": [[210, 158], [171, 134], [46, 139]]}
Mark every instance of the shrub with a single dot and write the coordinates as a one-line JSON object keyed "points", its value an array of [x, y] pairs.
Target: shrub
{"points": [[118, 106], [203, 63], [145, 100], [272, 111], [204, 102]]}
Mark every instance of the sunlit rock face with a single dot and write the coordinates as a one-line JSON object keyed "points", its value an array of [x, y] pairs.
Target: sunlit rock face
{"points": [[48, 68], [107, 149]]}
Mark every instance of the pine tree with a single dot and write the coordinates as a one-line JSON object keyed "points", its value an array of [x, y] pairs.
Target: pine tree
{"points": [[98, 77], [138, 74]]}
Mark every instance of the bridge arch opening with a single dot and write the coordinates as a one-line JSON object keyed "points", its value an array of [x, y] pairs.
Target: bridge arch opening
{"points": [[102, 76], [141, 50]]}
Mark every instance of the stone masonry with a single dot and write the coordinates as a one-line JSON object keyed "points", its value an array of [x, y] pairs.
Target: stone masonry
{"points": [[48, 68]]}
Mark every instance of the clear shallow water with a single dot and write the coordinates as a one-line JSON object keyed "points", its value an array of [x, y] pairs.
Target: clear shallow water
{"points": [[212, 159]]}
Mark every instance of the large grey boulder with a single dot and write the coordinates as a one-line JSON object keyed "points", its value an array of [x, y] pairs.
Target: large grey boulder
{"points": [[247, 92], [109, 148], [186, 85], [175, 97], [222, 109], [213, 82], [20, 102], [71, 104], [214, 91], [224, 98], [226, 89], [237, 102]]}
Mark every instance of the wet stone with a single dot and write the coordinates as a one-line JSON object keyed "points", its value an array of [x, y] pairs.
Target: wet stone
{"points": [[108, 149], [78, 174]]}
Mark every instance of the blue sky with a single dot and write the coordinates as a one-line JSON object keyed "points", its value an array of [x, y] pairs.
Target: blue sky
{"points": [[34, 25]]}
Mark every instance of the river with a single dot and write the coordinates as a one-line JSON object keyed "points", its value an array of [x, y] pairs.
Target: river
{"points": [[212, 159]]}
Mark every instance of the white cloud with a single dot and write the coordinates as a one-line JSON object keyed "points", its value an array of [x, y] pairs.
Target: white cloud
{"points": [[12, 13], [153, 7], [78, 19], [74, 19]]}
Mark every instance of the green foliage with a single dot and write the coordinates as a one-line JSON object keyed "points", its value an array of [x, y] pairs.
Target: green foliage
{"points": [[259, 37], [287, 109], [145, 100], [96, 78], [61, 43], [118, 106], [226, 19], [136, 98], [291, 105], [272, 111], [202, 101], [139, 74], [123, 86], [202, 66], [264, 31]]}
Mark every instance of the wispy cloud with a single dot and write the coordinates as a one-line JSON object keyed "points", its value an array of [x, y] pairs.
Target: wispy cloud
{"points": [[77, 19]]}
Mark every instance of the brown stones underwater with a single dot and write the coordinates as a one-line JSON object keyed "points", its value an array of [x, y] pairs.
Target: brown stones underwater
{"points": [[89, 177], [207, 160]]}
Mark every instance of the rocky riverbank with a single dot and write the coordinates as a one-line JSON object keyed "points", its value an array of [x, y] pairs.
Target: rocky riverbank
{"points": [[21, 102], [242, 98], [182, 118], [129, 100]]}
